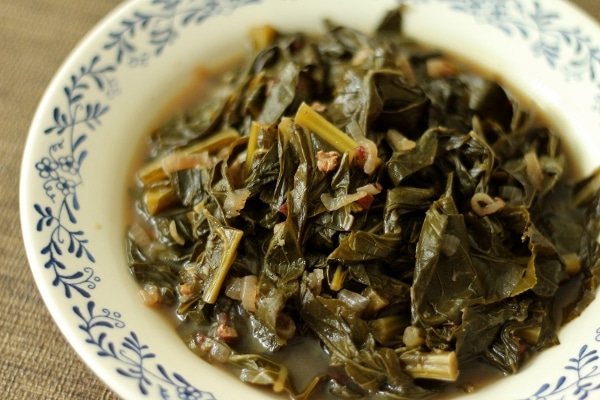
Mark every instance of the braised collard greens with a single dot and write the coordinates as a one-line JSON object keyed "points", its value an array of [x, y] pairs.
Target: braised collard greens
{"points": [[365, 205]]}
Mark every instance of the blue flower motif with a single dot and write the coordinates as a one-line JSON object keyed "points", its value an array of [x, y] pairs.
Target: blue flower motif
{"points": [[189, 393], [68, 164], [47, 168], [66, 186]]}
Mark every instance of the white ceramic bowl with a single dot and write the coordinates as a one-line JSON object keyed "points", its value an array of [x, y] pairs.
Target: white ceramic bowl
{"points": [[108, 92]]}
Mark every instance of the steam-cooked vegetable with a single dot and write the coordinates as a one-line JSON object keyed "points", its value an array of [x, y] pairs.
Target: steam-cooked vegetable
{"points": [[365, 206]]}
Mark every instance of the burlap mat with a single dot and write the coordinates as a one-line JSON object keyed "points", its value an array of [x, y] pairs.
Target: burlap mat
{"points": [[35, 37]]}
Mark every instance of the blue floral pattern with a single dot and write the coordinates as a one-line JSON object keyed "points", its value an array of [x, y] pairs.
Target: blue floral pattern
{"points": [[566, 49], [60, 171]]}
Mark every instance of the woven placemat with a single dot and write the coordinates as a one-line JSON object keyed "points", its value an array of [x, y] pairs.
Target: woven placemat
{"points": [[35, 37]]}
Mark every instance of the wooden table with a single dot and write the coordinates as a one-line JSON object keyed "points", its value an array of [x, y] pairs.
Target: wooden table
{"points": [[35, 37]]}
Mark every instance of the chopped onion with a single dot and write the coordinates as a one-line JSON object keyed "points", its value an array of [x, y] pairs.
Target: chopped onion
{"points": [[175, 234], [144, 242], [371, 188], [315, 281], [235, 202], [368, 155], [150, 295], [178, 161], [215, 350], [244, 289], [332, 203], [490, 205], [534, 169]]}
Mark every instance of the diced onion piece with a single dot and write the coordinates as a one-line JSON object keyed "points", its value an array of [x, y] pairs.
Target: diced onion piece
{"points": [[490, 205], [235, 202], [534, 169], [244, 289], [176, 162], [175, 234], [371, 188], [332, 203], [150, 295], [368, 155], [249, 292], [142, 239], [215, 350], [315, 280], [154, 172], [233, 290]]}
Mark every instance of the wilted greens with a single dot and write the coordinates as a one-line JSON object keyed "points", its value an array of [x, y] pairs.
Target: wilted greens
{"points": [[365, 210]]}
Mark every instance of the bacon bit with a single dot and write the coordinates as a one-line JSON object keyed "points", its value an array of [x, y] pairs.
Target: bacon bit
{"points": [[185, 289], [327, 161], [284, 209], [365, 202], [523, 347], [361, 154], [285, 326], [224, 331]]}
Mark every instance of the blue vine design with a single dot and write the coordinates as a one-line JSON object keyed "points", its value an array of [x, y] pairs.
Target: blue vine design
{"points": [[133, 355], [542, 27], [162, 26], [60, 171], [584, 372]]}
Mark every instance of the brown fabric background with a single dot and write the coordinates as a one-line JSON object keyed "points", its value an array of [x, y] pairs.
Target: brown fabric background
{"points": [[35, 37]]}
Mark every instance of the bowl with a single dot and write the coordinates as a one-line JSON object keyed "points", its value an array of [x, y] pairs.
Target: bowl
{"points": [[116, 85]]}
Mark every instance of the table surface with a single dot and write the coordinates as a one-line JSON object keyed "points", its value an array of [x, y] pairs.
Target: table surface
{"points": [[35, 359]]}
